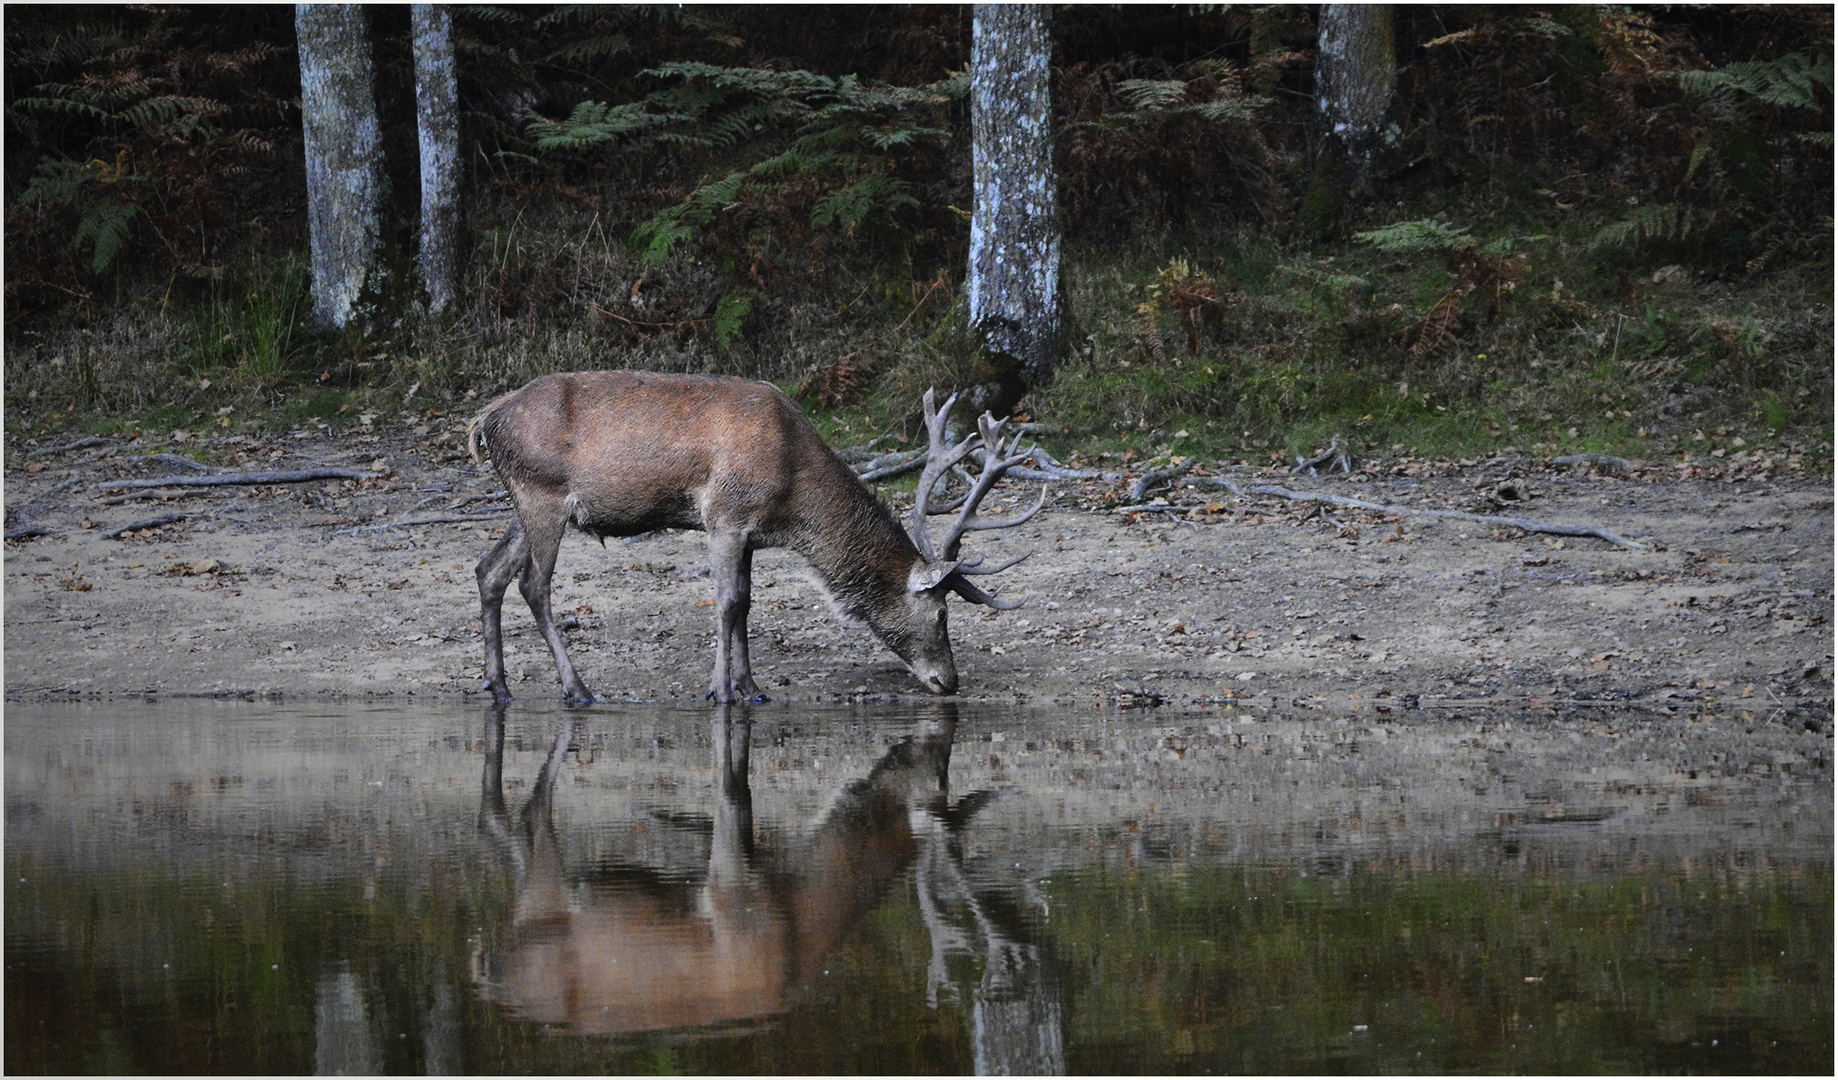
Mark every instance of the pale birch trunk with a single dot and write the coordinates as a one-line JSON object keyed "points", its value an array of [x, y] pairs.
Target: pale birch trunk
{"points": [[1016, 306], [1355, 78], [1355, 71], [437, 122], [344, 155]]}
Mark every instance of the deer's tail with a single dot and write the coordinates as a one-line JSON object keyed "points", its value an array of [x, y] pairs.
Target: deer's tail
{"points": [[476, 440]]}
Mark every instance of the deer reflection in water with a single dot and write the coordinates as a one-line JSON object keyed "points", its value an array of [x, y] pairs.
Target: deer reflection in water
{"points": [[642, 949]]}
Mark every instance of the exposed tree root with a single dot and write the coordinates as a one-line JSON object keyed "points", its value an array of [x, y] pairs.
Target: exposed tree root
{"points": [[1527, 524], [149, 523], [297, 476]]}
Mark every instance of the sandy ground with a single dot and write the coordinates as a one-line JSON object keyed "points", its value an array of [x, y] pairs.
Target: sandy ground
{"points": [[316, 589]]}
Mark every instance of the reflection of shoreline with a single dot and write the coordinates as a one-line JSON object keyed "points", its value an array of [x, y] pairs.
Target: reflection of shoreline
{"points": [[630, 948], [181, 782]]}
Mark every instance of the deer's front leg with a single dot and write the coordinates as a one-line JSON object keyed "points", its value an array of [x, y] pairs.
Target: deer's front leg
{"points": [[731, 564]]}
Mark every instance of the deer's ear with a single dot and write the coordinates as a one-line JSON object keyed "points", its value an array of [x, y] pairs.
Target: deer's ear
{"points": [[925, 576]]}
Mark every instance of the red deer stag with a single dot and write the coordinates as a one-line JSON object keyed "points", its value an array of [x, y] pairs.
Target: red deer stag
{"points": [[620, 453]]}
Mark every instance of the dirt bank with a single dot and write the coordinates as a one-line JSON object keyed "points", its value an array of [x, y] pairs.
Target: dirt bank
{"points": [[315, 588]]}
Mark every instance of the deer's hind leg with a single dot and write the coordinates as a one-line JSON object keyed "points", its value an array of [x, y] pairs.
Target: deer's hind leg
{"points": [[544, 520], [495, 571]]}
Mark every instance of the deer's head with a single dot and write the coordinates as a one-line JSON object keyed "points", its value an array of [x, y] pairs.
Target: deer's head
{"points": [[919, 633]]}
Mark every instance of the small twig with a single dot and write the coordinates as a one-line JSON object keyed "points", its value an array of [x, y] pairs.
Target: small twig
{"points": [[132, 496], [1320, 511], [80, 444], [299, 476], [646, 325], [468, 500], [1332, 453], [1526, 524], [150, 523]]}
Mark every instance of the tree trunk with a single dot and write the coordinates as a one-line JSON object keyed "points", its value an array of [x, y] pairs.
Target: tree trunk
{"points": [[437, 121], [344, 155], [1016, 307], [1355, 76]]}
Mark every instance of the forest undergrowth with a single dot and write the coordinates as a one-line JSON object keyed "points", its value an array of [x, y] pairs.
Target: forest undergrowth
{"points": [[1217, 343]]}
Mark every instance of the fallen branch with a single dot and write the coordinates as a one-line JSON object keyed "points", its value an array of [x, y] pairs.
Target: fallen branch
{"points": [[56, 489], [864, 451], [435, 519], [298, 476], [174, 460], [80, 444], [1158, 476], [891, 465], [1526, 524], [1049, 469], [26, 532], [150, 523]]}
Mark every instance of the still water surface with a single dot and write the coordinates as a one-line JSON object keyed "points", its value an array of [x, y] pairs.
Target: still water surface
{"points": [[239, 887]]}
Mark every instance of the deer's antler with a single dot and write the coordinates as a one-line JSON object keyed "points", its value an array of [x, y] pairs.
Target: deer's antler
{"points": [[940, 458]]}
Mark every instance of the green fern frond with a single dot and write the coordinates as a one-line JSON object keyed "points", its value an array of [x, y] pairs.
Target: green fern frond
{"points": [[1660, 220], [731, 313], [750, 80], [56, 182], [1506, 245], [890, 138], [720, 193], [593, 124], [1234, 110], [589, 50], [157, 112], [1411, 237], [1792, 81], [107, 226], [575, 15], [62, 105], [875, 196], [661, 234], [489, 13], [1544, 28], [1152, 93], [740, 124]]}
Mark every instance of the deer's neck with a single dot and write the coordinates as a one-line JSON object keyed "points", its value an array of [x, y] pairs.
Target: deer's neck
{"points": [[854, 542]]}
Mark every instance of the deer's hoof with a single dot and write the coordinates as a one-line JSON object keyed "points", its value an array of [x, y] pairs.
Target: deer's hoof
{"points": [[498, 694], [577, 697], [757, 699]]}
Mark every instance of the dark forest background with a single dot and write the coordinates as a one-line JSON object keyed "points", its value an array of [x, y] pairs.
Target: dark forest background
{"points": [[1592, 227]]}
